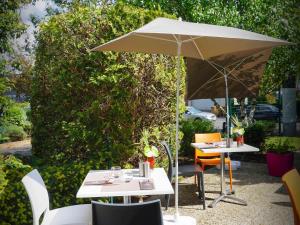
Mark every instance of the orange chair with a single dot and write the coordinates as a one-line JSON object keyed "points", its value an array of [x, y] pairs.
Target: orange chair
{"points": [[210, 159], [291, 181]]}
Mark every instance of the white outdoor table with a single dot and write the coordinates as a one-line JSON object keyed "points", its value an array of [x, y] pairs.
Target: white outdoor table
{"points": [[220, 147], [160, 179]]}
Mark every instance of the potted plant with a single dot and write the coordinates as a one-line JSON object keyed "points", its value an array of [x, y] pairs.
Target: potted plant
{"points": [[279, 155], [149, 150], [238, 130]]}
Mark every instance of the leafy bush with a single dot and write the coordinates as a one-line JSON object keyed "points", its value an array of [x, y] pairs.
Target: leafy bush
{"points": [[14, 115], [14, 203], [62, 181], [281, 144], [278, 146], [14, 122], [82, 100], [189, 128], [3, 181], [256, 133], [13, 132], [3, 138]]}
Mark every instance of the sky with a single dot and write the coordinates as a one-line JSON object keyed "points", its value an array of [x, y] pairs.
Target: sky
{"points": [[37, 10]]}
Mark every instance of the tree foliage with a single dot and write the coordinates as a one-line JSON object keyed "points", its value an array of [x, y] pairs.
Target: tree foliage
{"points": [[10, 24], [92, 103], [11, 27]]}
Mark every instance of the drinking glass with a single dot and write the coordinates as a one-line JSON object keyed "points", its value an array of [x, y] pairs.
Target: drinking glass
{"points": [[116, 171], [128, 176]]}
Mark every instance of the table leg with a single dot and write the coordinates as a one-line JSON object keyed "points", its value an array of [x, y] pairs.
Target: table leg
{"points": [[225, 193], [126, 199]]}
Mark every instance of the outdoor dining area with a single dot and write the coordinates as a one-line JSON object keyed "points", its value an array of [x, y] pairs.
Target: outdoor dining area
{"points": [[224, 62], [155, 186]]}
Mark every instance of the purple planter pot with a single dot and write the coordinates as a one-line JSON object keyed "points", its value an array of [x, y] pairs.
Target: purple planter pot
{"points": [[279, 164]]}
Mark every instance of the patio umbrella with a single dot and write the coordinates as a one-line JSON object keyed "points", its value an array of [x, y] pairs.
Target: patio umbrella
{"points": [[244, 70], [200, 41]]}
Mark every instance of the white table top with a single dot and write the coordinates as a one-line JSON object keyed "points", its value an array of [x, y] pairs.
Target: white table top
{"points": [[221, 148], [160, 179]]}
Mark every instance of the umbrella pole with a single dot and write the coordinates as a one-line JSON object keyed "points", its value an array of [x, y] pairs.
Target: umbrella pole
{"points": [[227, 110], [178, 70], [176, 219]]}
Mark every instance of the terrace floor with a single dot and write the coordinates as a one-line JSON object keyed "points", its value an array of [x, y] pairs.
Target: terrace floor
{"points": [[268, 201]]}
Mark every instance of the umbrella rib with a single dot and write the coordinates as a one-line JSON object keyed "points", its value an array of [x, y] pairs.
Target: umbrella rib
{"points": [[239, 63], [207, 82], [218, 71], [214, 65], [238, 80], [177, 40], [156, 38], [199, 52], [230, 72], [192, 39], [248, 56], [235, 67]]}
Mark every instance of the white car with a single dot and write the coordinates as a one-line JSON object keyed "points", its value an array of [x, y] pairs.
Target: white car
{"points": [[193, 113]]}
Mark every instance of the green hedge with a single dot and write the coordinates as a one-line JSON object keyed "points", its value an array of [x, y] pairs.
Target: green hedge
{"points": [[14, 203], [256, 133], [189, 128], [81, 99]]}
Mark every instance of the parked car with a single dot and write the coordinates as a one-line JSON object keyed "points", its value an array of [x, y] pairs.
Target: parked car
{"points": [[263, 112], [193, 113]]}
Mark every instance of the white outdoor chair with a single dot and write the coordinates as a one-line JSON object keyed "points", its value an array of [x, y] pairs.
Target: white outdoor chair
{"points": [[39, 200]]}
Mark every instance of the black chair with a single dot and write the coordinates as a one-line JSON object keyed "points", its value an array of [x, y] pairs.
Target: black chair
{"points": [[184, 170], [147, 213]]}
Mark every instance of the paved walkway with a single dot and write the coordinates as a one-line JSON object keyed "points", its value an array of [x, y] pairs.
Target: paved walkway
{"points": [[17, 147]]}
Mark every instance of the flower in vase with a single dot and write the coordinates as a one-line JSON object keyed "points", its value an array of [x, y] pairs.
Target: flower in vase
{"points": [[150, 151]]}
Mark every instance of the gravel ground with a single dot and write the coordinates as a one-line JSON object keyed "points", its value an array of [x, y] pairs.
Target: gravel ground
{"points": [[268, 202], [17, 147]]}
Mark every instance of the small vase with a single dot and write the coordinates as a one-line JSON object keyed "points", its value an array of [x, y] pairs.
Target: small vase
{"points": [[239, 140], [151, 161]]}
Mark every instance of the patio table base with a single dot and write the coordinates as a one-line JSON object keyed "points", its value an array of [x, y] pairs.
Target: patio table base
{"points": [[229, 196]]}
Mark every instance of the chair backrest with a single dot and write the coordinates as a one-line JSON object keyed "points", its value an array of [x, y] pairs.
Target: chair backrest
{"points": [[170, 158], [147, 213], [38, 194], [291, 180], [207, 137]]}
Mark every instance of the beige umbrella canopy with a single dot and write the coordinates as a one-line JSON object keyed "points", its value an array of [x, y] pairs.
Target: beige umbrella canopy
{"points": [[206, 79], [199, 41]]}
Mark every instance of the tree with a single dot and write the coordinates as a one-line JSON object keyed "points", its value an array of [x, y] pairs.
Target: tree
{"points": [[92, 103], [21, 75], [11, 27]]}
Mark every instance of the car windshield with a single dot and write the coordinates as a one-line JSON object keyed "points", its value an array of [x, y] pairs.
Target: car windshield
{"points": [[193, 110]]}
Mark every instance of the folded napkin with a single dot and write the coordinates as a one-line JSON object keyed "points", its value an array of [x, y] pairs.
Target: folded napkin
{"points": [[146, 184]]}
